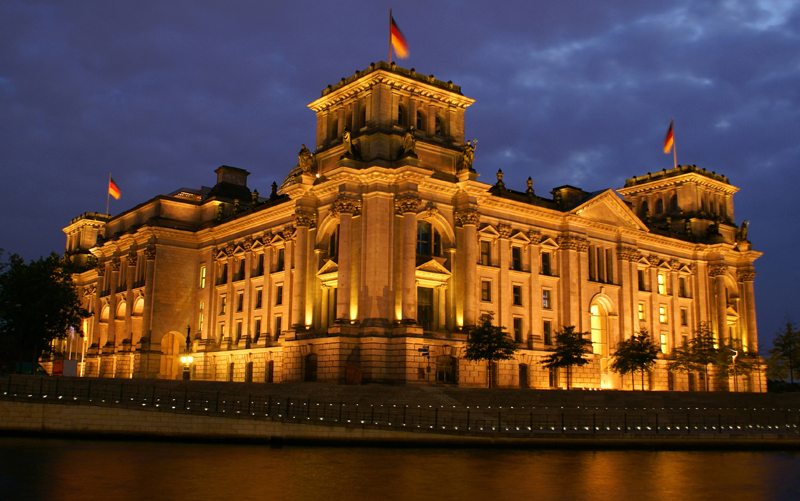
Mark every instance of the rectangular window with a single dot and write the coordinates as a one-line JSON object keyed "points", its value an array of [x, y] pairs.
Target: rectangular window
{"points": [[642, 313], [260, 265], [682, 286], [663, 342], [238, 331], [684, 341], [257, 328], [280, 263], [684, 317], [516, 258], [200, 323], [424, 238], [486, 290], [486, 253], [223, 275], [239, 301], [203, 277], [546, 270], [547, 332], [223, 302], [278, 295], [662, 314], [240, 273], [437, 243], [277, 328], [518, 329], [592, 274], [640, 276], [517, 289], [601, 276], [609, 267], [546, 299], [221, 332], [259, 297], [662, 284]]}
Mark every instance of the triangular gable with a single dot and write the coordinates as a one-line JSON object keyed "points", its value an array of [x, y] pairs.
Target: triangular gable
{"points": [[685, 269], [665, 266], [732, 313], [549, 243], [643, 260], [276, 239], [330, 266], [257, 245], [488, 229], [520, 237], [221, 255], [433, 266], [238, 251], [607, 207]]}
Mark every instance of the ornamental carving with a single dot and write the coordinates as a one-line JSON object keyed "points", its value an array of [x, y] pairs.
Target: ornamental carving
{"points": [[115, 264], [693, 268], [628, 253], [101, 269], [305, 217], [288, 232], [674, 264], [572, 242], [150, 253], [132, 257], [717, 270], [230, 249], [653, 260], [406, 204], [535, 236], [504, 230], [470, 215], [89, 290], [431, 211], [346, 205], [247, 244], [746, 275]]}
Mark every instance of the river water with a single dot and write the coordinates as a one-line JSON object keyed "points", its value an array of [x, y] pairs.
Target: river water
{"points": [[57, 469]]}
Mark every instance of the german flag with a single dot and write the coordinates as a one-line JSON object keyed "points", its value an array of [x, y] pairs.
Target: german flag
{"points": [[112, 188], [399, 43], [670, 139]]}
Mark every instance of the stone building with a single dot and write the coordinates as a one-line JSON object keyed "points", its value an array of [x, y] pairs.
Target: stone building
{"points": [[383, 242]]}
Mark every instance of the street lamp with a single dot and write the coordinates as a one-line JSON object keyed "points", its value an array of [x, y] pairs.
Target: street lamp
{"points": [[187, 358], [735, 354]]}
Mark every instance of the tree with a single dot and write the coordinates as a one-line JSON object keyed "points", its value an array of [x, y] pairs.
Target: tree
{"points": [[490, 343], [570, 349], [785, 354], [745, 362], [700, 352], [636, 353], [38, 303]]}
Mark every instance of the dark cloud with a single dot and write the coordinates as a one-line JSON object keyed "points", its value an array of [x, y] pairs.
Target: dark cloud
{"points": [[569, 92]]}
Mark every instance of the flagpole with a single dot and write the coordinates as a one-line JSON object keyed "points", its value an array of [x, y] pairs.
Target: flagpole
{"points": [[390, 35], [108, 192], [674, 152]]}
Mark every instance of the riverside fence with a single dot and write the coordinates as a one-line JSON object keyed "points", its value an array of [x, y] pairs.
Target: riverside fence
{"points": [[470, 420]]}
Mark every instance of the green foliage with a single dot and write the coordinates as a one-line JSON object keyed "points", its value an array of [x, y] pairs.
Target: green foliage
{"points": [[490, 343], [638, 353], [38, 303], [571, 347], [784, 359], [700, 352]]}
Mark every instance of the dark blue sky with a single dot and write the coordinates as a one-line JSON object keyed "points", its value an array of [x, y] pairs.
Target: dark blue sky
{"points": [[569, 92]]}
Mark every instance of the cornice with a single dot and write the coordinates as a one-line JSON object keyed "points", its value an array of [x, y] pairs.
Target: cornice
{"points": [[671, 182]]}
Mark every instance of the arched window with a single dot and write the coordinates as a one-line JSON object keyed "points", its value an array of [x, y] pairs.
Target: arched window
{"points": [[659, 206], [401, 115], [673, 204], [420, 120], [104, 313], [599, 324], [429, 240], [644, 209]]}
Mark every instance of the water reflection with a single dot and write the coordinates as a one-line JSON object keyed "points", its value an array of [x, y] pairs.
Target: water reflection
{"points": [[75, 470]]}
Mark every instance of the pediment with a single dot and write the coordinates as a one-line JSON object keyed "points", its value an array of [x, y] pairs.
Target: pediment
{"points": [[433, 266], [608, 208], [549, 243], [330, 266], [257, 245], [276, 239], [489, 230], [520, 237], [221, 255]]}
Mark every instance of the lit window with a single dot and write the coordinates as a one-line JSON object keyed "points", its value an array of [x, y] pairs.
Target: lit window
{"points": [[486, 290], [203, 277], [642, 314], [517, 290], [662, 284], [663, 342], [662, 314], [486, 253], [546, 299]]}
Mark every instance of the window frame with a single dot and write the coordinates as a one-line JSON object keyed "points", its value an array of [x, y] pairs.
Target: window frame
{"points": [[486, 292], [547, 299]]}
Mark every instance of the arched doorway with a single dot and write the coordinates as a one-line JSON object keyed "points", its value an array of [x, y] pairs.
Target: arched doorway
{"points": [[446, 369], [523, 376], [599, 331], [310, 367], [171, 367]]}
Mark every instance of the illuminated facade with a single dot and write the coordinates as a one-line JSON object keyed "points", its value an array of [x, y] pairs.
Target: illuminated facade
{"points": [[383, 241]]}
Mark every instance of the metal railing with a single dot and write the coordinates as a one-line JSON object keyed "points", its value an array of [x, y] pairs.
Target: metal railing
{"points": [[166, 396]]}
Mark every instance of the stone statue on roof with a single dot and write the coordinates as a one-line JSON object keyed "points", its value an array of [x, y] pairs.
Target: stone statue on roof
{"points": [[409, 144], [741, 235], [351, 148], [306, 159], [467, 155]]}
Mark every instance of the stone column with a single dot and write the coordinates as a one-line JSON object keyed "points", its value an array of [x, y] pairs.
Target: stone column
{"points": [[129, 279], [303, 219], [504, 296], [469, 219], [288, 283], [98, 307], [346, 207], [534, 263], [112, 304], [407, 205], [653, 323], [675, 305], [747, 278], [324, 309], [247, 330], [628, 308], [147, 314], [718, 272]]}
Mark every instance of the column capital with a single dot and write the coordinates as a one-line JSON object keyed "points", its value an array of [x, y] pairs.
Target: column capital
{"points": [[346, 205], [467, 215], [150, 253], [288, 232], [504, 230], [305, 217], [674, 264], [717, 270], [746, 274], [115, 264], [407, 203], [628, 253], [573, 242], [132, 258], [535, 237]]}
